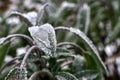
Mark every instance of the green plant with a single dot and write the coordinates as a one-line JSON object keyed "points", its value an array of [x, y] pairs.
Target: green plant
{"points": [[46, 59]]}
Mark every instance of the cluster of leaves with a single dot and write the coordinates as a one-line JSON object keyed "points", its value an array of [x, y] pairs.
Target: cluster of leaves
{"points": [[49, 59]]}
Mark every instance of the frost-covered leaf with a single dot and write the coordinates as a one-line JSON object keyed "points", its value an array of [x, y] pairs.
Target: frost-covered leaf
{"points": [[95, 53], [83, 18], [88, 74], [22, 18], [66, 76], [44, 36], [17, 74]]}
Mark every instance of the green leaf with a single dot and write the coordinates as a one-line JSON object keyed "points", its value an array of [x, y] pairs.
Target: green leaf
{"points": [[88, 74], [66, 76], [90, 61], [89, 65], [54, 65], [3, 50]]}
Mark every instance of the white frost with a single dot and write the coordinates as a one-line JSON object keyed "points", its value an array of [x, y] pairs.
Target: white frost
{"points": [[28, 3], [13, 20], [21, 51], [2, 40], [8, 58], [86, 7], [67, 4], [31, 16], [110, 49]]}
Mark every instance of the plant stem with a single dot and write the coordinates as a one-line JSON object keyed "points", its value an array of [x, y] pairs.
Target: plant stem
{"points": [[27, 54], [72, 44], [22, 18], [62, 28], [66, 63], [30, 41], [34, 75], [44, 75]]}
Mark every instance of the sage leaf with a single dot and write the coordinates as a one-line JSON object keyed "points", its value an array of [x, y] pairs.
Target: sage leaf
{"points": [[44, 36], [95, 53]]}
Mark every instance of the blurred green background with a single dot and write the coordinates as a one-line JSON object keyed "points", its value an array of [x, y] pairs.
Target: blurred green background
{"points": [[99, 19]]}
